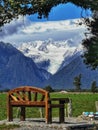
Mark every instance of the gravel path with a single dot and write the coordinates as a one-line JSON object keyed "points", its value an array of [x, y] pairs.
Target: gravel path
{"points": [[39, 124]]}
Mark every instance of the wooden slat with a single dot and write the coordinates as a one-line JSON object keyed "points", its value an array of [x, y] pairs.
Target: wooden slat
{"points": [[25, 97], [42, 98], [19, 96], [14, 98], [33, 103], [65, 100], [29, 96], [56, 105]]}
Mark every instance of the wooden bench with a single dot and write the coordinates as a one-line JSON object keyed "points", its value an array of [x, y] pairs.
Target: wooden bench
{"points": [[28, 96]]}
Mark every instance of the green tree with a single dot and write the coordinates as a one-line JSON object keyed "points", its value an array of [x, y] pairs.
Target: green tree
{"points": [[10, 9], [49, 88], [77, 82], [93, 87], [91, 45]]}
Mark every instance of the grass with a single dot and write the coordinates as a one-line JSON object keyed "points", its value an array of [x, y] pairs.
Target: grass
{"points": [[3, 106], [80, 102], [8, 127]]}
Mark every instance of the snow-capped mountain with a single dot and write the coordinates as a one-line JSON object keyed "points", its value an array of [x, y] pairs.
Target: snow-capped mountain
{"points": [[49, 54], [17, 69], [65, 41]]}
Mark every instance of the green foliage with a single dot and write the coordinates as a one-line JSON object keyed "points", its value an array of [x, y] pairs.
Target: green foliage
{"points": [[77, 82], [91, 45], [10, 9], [94, 87], [49, 88]]}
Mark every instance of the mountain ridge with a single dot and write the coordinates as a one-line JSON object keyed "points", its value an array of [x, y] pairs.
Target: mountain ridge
{"points": [[64, 78], [17, 69]]}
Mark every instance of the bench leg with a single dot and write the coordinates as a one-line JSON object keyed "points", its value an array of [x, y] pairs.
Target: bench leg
{"points": [[10, 113], [61, 115], [50, 116], [22, 114]]}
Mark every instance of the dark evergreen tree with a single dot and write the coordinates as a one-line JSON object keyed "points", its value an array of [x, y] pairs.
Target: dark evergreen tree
{"points": [[77, 82], [94, 87]]}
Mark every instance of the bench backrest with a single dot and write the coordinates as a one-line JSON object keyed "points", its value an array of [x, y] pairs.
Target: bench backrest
{"points": [[27, 94]]}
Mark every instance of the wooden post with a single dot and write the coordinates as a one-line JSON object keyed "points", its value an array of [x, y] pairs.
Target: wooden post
{"points": [[50, 116], [46, 107], [70, 108], [96, 105], [41, 112]]}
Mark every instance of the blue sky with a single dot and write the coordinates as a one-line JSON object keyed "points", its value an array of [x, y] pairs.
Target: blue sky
{"points": [[63, 12]]}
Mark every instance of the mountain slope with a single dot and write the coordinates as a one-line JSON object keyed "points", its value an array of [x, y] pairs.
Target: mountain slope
{"points": [[17, 69], [63, 79]]}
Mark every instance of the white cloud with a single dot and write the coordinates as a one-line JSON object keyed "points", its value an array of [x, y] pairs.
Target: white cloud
{"points": [[40, 27], [22, 30]]}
